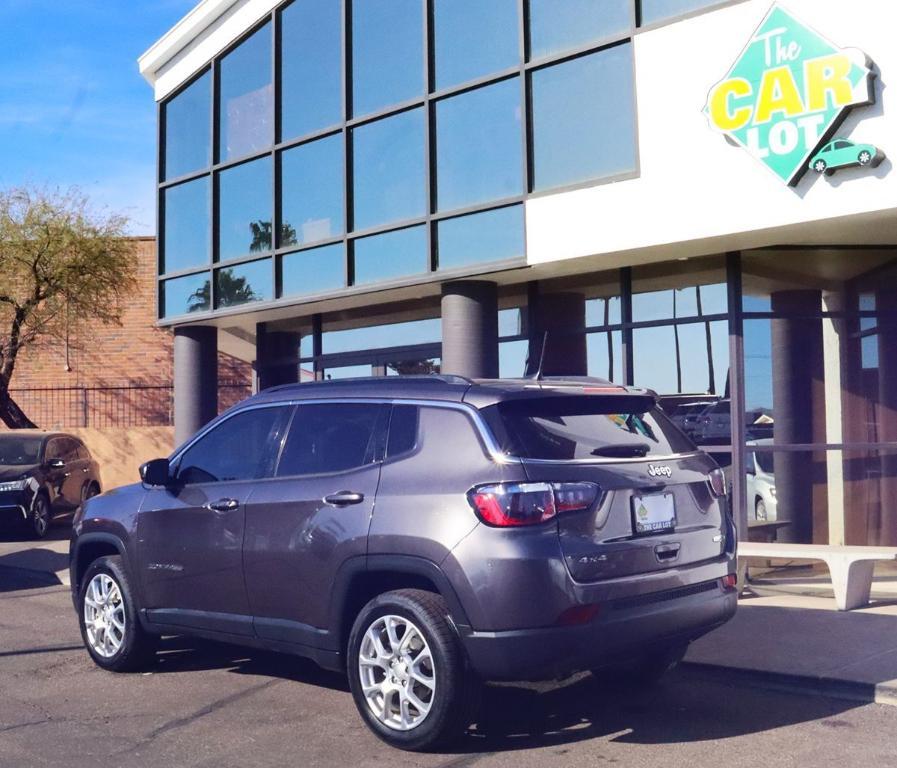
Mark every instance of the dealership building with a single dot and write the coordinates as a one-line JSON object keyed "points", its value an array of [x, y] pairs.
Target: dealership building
{"points": [[691, 196]]}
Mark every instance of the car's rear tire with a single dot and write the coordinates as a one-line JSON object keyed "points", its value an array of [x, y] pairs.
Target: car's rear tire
{"points": [[865, 157], [40, 518], [646, 669], [408, 673], [107, 613]]}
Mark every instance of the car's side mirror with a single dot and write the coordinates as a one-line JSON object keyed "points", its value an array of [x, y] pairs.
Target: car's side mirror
{"points": [[55, 463], [156, 472]]}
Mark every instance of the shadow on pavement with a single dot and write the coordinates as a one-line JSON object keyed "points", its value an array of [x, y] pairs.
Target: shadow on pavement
{"points": [[688, 706]]}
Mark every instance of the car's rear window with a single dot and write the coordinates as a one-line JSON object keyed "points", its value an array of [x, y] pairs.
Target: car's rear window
{"points": [[588, 427]]}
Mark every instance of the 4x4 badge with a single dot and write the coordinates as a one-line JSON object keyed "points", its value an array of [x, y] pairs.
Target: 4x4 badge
{"points": [[660, 470]]}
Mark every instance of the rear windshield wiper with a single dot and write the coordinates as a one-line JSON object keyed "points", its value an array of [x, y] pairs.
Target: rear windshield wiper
{"points": [[622, 450]]}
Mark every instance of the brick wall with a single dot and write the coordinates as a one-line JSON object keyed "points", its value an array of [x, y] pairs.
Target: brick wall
{"points": [[131, 362]]}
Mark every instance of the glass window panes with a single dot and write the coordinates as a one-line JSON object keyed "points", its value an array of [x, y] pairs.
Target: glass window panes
{"points": [[584, 119], [603, 311], [246, 103], [349, 372], [392, 335], [683, 359], [387, 53], [691, 301], [481, 237], [512, 357], [237, 449], [479, 146], [654, 11], [188, 133], [244, 209], [561, 25], [244, 283], [311, 67], [391, 255], [185, 238], [184, 295], [511, 322], [605, 355], [313, 271], [389, 176], [474, 38], [312, 204]]}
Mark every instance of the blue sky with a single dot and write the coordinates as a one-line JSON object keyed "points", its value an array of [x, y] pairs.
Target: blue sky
{"points": [[73, 108]]}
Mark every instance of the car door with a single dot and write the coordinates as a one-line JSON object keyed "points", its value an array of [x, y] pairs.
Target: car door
{"points": [[190, 534], [56, 476], [312, 516], [76, 470]]}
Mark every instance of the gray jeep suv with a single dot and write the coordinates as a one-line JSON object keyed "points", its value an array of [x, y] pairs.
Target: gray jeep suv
{"points": [[422, 535]]}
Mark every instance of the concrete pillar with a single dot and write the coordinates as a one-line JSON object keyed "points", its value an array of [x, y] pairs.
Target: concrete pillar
{"points": [[886, 302], [563, 316], [276, 357], [797, 361], [470, 329], [195, 379]]}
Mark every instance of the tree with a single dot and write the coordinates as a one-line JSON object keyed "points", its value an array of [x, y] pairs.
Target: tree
{"points": [[62, 264], [229, 291]]}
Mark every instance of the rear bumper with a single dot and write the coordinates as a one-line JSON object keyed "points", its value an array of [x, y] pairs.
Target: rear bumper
{"points": [[621, 630]]}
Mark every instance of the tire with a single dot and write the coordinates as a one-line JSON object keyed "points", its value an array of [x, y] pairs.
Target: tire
{"points": [[760, 510], [40, 518], [420, 619], [125, 646], [820, 166], [646, 670], [864, 158]]}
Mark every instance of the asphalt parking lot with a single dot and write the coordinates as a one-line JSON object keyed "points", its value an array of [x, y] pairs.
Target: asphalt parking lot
{"points": [[212, 705]]}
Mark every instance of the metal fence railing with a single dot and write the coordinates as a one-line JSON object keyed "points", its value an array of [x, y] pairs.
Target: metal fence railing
{"points": [[131, 405]]}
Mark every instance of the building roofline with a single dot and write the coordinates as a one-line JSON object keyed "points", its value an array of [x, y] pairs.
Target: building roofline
{"points": [[179, 36]]}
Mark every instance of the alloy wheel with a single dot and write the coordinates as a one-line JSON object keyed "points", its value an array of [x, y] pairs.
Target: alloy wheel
{"points": [[397, 672], [104, 615], [41, 516]]}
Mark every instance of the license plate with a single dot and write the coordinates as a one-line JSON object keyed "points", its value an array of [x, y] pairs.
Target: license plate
{"points": [[653, 514]]}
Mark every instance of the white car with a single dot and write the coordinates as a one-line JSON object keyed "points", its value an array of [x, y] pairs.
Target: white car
{"points": [[761, 483]]}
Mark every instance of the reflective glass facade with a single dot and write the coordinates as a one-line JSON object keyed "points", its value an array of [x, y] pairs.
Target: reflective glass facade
{"points": [[409, 132]]}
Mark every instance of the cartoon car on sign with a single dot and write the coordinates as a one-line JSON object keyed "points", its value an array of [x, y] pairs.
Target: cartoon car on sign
{"points": [[841, 153]]}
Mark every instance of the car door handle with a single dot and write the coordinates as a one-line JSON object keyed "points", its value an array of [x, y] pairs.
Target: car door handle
{"points": [[222, 505], [344, 498]]}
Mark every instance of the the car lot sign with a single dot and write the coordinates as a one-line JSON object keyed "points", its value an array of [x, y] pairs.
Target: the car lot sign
{"points": [[787, 93]]}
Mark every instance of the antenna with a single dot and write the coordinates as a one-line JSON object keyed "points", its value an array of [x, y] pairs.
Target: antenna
{"points": [[537, 374]]}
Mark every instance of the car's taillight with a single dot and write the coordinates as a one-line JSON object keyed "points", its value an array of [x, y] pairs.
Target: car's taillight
{"points": [[514, 504], [717, 483]]}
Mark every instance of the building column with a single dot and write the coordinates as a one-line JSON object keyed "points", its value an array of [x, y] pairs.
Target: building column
{"points": [[195, 379], [470, 329], [797, 360], [886, 302], [276, 357], [563, 317]]}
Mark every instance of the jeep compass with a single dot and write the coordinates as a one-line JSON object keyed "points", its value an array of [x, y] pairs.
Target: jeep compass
{"points": [[422, 535]]}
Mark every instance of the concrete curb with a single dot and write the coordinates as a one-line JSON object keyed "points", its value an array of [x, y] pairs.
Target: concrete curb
{"points": [[850, 690]]}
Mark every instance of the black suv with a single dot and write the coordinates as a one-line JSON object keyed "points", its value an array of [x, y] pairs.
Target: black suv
{"points": [[422, 534], [43, 476]]}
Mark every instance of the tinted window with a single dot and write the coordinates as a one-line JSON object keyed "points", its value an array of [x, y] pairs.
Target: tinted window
{"points": [[389, 170], [83, 453], [474, 38], [659, 10], [185, 241], [490, 236], [244, 209], [567, 428], [479, 146], [332, 438], [246, 110], [312, 192], [311, 70], [244, 283], [313, 271], [239, 448], [188, 134], [766, 462], [387, 53], [185, 294], [391, 255], [402, 430], [560, 25], [584, 118], [19, 451]]}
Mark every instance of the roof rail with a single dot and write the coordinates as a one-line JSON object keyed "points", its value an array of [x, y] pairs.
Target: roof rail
{"points": [[429, 378]]}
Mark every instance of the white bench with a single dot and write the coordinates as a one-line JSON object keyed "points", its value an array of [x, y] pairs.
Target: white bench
{"points": [[850, 567]]}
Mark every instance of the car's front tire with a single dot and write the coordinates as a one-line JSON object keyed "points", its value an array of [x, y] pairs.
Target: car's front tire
{"points": [[820, 166], [408, 672], [107, 612], [40, 518], [865, 157]]}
